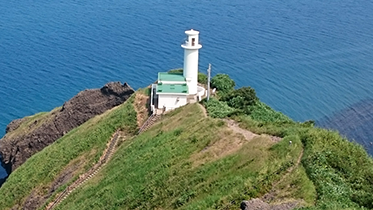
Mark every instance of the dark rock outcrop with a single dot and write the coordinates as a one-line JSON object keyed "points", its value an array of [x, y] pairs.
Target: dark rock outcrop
{"points": [[17, 147]]}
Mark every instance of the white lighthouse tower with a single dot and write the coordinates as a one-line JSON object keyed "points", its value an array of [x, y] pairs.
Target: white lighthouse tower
{"points": [[176, 89], [191, 47]]}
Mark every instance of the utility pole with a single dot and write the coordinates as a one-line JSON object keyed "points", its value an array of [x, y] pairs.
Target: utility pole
{"points": [[208, 81]]}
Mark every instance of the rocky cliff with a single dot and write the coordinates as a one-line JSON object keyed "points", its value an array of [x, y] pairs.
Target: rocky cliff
{"points": [[27, 136]]}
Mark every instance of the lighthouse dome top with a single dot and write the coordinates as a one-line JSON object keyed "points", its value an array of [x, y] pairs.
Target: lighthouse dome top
{"points": [[191, 32], [192, 40]]}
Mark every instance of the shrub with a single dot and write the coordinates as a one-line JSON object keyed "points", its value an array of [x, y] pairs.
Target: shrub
{"points": [[263, 113], [241, 98], [218, 109], [223, 83]]}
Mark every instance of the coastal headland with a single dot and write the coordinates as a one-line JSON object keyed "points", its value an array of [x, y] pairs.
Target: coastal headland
{"points": [[230, 152]]}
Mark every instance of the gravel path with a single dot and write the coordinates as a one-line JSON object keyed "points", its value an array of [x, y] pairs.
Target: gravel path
{"points": [[246, 133]]}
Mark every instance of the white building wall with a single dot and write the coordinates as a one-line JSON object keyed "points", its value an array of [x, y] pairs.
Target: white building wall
{"points": [[171, 101]]}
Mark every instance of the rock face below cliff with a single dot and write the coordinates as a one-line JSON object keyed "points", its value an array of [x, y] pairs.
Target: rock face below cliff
{"points": [[22, 141]]}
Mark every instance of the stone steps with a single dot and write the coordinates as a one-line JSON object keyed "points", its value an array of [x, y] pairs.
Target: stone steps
{"points": [[104, 158], [149, 122], [88, 175]]}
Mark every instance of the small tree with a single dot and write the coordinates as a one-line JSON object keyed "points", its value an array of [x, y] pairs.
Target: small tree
{"points": [[241, 98], [223, 83]]}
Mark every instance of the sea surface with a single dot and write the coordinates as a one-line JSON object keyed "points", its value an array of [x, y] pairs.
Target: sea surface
{"points": [[307, 59]]}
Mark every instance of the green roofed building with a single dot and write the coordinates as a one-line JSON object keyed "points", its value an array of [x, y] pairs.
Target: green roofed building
{"points": [[171, 91], [172, 88], [175, 89], [172, 78]]}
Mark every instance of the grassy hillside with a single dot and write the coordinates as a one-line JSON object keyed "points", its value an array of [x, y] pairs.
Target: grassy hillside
{"points": [[341, 171], [188, 161], [64, 160], [192, 161]]}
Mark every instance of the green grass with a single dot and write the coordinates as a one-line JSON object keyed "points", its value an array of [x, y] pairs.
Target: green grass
{"points": [[173, 166], [39, 171], [341, 171], [218, 109], [145, 91], [188, 161], [31, 123], [261, 112], [297, 186]]}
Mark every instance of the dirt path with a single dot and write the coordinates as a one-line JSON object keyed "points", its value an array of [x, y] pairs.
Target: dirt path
{"points": [[289, 171], [140, 107], [263, 202], [250, 135], [246, 133]]}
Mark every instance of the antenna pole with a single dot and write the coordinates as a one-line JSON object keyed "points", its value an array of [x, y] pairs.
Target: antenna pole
{"points": [[208, 81]]}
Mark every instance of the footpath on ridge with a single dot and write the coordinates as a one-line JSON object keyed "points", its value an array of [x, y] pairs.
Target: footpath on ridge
{"points": [[263, 202]]}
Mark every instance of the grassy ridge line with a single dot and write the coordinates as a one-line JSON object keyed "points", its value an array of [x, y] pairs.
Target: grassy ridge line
{"points": [[341, 171], [158, 169], [37, 174]]}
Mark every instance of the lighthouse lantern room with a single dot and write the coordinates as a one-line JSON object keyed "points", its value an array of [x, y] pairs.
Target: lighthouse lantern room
{"points": [[173, 90]]}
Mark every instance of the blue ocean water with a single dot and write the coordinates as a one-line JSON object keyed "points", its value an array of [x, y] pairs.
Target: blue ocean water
{"points": [[307, 59]]}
